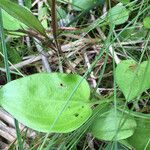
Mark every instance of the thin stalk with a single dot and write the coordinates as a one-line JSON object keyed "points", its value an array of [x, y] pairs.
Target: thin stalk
{"points": [[54, 25], [9, 76]]}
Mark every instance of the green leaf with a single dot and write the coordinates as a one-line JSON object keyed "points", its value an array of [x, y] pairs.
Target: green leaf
{"points": [[133, 34], [61, 13], [28, 3], [126, 144], [118, 15], [37, 100], [42, 15], [79, 5], [124, 1], [111, 126], [133, 79], [23, 15], [13, 55], [10, 23], [147, 22], [141, 136]]}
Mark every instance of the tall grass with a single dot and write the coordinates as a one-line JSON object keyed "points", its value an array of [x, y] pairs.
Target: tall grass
{"points": [[8, 75]]}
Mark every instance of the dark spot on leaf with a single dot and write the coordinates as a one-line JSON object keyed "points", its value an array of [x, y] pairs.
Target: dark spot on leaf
{"points": [[133, 66], [82, 106], [69, 107], [61, 85], [76, 114]]}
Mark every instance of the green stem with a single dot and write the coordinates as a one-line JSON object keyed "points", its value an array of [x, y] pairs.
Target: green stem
{"points": [[100, 102], [8, 75]]}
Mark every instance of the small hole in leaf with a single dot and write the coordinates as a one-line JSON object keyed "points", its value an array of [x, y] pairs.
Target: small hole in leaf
{"points": [[61, 84], [76, 114]]}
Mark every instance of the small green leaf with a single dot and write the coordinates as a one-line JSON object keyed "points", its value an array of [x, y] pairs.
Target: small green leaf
{"points": [[118, 15], [141, 136], [126, 144], [111, 126], [147, 22], [14, 56], [42, 16], [133, 79], [124, 1], [28, 3], [132, 34], [79, 5], [61, 13], [10, 23], [23, 15], [37, 100]]}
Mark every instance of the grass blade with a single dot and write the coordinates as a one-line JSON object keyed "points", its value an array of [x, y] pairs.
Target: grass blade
{"points": [[9, 76], [23, 15]]}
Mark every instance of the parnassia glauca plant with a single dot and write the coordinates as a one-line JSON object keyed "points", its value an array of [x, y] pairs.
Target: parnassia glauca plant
{"points": [[36, 100]]}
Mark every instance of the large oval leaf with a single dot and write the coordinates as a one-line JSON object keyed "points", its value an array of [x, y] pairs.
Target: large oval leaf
{"points": [[23, 15], [140, 138], [133, 79], [37, 100], [111, 126]]}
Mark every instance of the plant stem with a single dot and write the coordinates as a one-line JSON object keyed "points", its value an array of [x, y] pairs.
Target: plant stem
{"points": [[9, 76]]}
